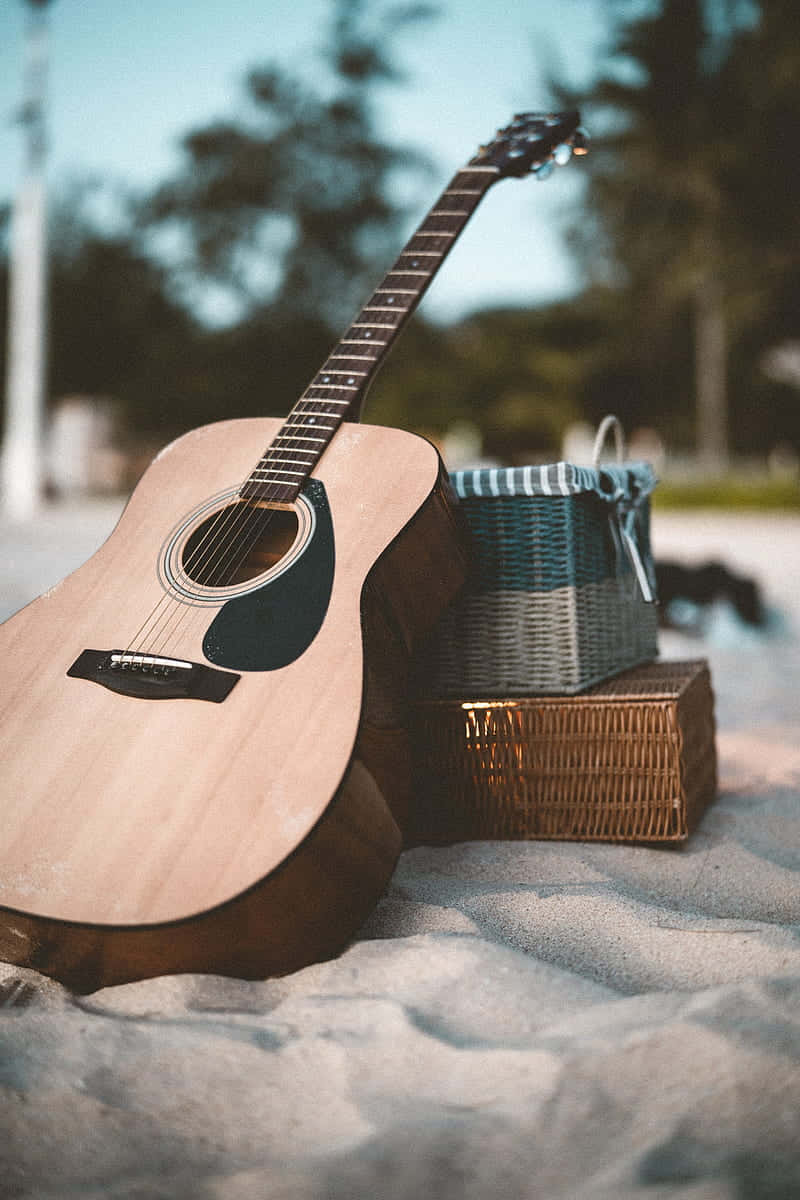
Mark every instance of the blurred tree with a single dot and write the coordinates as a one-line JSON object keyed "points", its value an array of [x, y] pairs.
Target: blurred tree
{"points": [[513, 374], [765, 65], [681, 179], [283, 220], [114, 331], [292, 206], [112, 327]]}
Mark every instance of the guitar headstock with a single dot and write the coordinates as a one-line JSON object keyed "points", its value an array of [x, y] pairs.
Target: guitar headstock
{"points": [[533, 143]]}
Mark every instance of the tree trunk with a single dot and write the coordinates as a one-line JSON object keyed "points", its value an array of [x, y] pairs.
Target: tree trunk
{"points": [[711, 396]]}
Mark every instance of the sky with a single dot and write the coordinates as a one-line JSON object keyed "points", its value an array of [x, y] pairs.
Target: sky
{"points": [[127, 79]]}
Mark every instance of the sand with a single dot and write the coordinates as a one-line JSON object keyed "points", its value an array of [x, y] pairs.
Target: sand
{"points": [[515, 1019]]}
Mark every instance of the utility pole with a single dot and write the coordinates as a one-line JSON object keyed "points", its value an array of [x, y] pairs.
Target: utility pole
{"points": [[27, 322]]}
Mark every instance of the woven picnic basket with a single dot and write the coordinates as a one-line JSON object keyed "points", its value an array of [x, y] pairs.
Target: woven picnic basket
{"points": [[561, 593], [630, 759]]}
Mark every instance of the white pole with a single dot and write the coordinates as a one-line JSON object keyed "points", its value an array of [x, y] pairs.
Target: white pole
{"points": [[25, 382]]}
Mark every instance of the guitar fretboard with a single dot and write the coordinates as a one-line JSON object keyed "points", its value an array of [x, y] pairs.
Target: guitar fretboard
{"points": [[337, 390]]}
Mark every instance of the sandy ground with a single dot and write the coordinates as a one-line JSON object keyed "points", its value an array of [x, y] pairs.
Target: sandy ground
{"points": [[515, 1020]]}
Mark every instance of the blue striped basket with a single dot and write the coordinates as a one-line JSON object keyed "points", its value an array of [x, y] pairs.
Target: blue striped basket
{"points": [[561, 594]]}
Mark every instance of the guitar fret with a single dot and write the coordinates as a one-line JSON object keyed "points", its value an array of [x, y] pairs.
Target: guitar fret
{"points": [[440, 223], [359, 341], [447, 212], [340, 387], [280, 471], [307, 398], [424, 274], [312, 413], [265, 473], [300, 425], [278, 491], [357, 357], [369, 325], [332, 371], [365, 342], [314, 423], [295, 461], [345, 359], [424, 233], [463, 192], [325, 400], [423, 253], [396, 291], [297, 437]]}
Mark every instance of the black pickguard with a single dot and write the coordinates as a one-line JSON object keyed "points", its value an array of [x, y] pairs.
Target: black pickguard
{"points": [[273, 625]]}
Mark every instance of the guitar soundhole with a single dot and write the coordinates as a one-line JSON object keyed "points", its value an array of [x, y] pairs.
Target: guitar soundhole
{"points": [[238, 543]]}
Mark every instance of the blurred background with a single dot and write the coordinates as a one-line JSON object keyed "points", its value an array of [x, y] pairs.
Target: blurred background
{"points": [[194, 200]]}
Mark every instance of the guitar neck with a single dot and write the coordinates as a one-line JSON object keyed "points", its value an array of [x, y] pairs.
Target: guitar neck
{"points": [[337, 390]]}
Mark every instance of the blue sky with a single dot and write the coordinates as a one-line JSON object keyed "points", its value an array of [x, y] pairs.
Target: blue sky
{"points": [[128, 78]]}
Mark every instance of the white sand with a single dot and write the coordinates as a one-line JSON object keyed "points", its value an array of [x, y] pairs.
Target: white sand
{"points": [[516, 1019]]}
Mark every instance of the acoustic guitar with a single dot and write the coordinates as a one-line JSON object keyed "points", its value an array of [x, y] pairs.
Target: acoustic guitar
{"points": [[201, 729]]}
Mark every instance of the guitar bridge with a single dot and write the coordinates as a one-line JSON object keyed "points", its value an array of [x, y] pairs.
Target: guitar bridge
{"points": [[153, 676]]}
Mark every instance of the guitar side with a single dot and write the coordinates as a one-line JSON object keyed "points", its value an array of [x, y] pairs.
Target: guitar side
{"points": [[247, 837]]}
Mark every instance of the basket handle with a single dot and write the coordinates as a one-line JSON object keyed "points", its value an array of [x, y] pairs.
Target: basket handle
{"points": [[609, 422]]}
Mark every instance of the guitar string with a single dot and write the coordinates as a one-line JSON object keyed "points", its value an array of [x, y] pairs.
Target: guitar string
{"points": [[257, 518], [224, 526], [400, 311], [227, 520], [231, 521], [242, 522], [310, 414], [168, 599], [175, 614], [254, 513], [252, 525], [168, 603]]}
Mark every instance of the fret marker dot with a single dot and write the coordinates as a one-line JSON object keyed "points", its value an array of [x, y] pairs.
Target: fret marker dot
{"points": [[367, 334], [326, 379], [390, 299], [415, 262], [351, 380], [311, 420]]}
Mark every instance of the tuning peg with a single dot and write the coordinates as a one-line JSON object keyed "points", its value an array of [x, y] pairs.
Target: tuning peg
{"points": [[543, 171], [562, 154], [580, 142]]}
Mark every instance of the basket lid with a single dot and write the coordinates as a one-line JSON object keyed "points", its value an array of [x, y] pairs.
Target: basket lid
{"points": [[613, 482]]}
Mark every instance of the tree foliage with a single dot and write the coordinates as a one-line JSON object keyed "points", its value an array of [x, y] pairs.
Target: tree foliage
{"points": [[289, 208], [691, 202], [301, 183], [292, 209]]}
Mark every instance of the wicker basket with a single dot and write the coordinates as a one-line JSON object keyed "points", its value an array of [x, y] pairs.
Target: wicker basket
{"points": [[632, 759], [561, 593]]}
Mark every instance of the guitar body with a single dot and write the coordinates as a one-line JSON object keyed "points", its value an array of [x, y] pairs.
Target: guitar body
{"points": [[202, 730], [151, 826]]}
